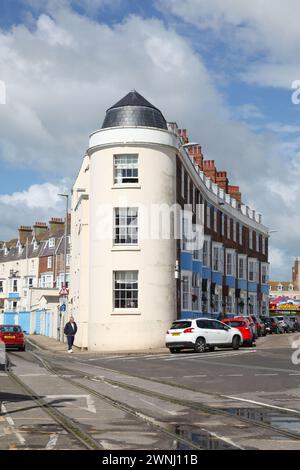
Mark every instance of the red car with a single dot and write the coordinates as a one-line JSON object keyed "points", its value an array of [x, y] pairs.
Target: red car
{"points": [[243, 325], [12, 336]]}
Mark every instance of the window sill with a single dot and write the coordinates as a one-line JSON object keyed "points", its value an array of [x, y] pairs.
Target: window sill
{"points": [[126, 186], [125, 312], [125, 248]]}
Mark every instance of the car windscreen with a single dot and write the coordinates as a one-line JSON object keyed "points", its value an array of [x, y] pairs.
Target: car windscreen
{"points": [[235, 323], [178, 325], [10, 329]]}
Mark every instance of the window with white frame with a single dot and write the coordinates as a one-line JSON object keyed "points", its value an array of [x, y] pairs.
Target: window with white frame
{"points": [[68, 259], [228, 227], [222, 224], [46, 281], [186, 291], [215, 220], [14, 285], [279, 287], [196, 238], [60, 280], [196, 284], [242, 267], [208, 215], [217, 299], [252, 271], [264, 273], [126, 289], [234, 231], [230, 263], [217, 258], [182, 181], [240, 234], [49, 262], [230, 302], [125, 226], [250, 239], [257, 241], [206, 253], [126, 169], [252, 303], [51, 242], [263, 241]]}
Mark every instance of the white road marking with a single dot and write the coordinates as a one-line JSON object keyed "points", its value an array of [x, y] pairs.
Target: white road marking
{"points": [[232, 375], [191, 376], [12, 424], [52, 441], [264, 375], [294, 374], [223, 438], [159, 407], [89, 401], [261, 404]]}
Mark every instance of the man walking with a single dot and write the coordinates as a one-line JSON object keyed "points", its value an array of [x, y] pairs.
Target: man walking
{"points": [[70, 331]]}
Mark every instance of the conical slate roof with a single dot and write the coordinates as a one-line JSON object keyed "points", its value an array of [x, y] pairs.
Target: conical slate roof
{"points": [[134, 110]]}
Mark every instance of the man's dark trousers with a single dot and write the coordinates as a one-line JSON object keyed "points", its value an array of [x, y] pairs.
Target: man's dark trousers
{"points": [[70, 341]]}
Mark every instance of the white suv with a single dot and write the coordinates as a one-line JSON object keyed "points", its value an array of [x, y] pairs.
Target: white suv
{"points": [[201, 334]]}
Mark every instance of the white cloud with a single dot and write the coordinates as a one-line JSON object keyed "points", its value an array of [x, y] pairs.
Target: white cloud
{"points": [[38, 202], [268, 27]]}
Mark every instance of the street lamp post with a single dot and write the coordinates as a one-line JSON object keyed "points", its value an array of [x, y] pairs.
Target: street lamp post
{"points": [[66, 196]]}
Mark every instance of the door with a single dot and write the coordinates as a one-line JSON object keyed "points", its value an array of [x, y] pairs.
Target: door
{"points": [[207, 331], [24, 321], [38, 322], [222, 332], [9, 318]]}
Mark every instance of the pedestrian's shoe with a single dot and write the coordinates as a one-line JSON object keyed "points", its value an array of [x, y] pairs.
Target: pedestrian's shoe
{"points": [[70, 351]]}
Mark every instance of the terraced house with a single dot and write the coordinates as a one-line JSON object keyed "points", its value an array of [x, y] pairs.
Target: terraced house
{"points": [[126, 287], [31, 276]]}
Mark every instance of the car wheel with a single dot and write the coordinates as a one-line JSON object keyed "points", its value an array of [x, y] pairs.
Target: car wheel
{"points": [[200, 345], [236, 342], [174, 350]]}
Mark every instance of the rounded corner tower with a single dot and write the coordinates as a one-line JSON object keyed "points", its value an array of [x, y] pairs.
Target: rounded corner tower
{"points": [[132, 295]]}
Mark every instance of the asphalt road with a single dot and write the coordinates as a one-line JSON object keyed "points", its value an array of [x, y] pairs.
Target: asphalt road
{"points": [[224, 399]]}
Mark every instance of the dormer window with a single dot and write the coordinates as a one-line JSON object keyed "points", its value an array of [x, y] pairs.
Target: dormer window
{"points": [[35, 245], [20, 249], [51, 242], [6, 251], [291, 287], [279, 287]]}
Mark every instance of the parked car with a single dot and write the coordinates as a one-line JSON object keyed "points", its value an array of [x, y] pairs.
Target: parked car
{"points": [[260, 328], [270, 325], [290, 323], [253, 327], [12, 336], [244, 326], [279, 325], [283, 321], [202, 334], [296, 322]]}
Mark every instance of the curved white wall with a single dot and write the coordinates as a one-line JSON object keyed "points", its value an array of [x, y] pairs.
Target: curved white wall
{"points": [[154, 260]]}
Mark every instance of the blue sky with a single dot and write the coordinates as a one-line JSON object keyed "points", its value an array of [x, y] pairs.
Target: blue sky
{"points": [[223, 72]]}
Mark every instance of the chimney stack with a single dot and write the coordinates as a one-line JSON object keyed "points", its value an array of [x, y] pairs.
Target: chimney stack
{"points": [[234, 192], [195, 151], [24, 233], [56, 224], [222, 180], [39, 229], [210, 170]]}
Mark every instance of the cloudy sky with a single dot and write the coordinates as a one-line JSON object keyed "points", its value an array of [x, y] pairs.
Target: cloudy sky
{"points": [[222, 69]]}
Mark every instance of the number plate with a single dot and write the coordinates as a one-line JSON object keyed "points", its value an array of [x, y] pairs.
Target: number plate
{"points": [[175, 334], [9, 337]]}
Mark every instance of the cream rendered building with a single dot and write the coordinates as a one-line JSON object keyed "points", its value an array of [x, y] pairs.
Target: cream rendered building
{"points": [[136, 131]]}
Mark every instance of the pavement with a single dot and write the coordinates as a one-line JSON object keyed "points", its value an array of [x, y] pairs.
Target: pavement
{"points": [[52, 345], [283, 341]]}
